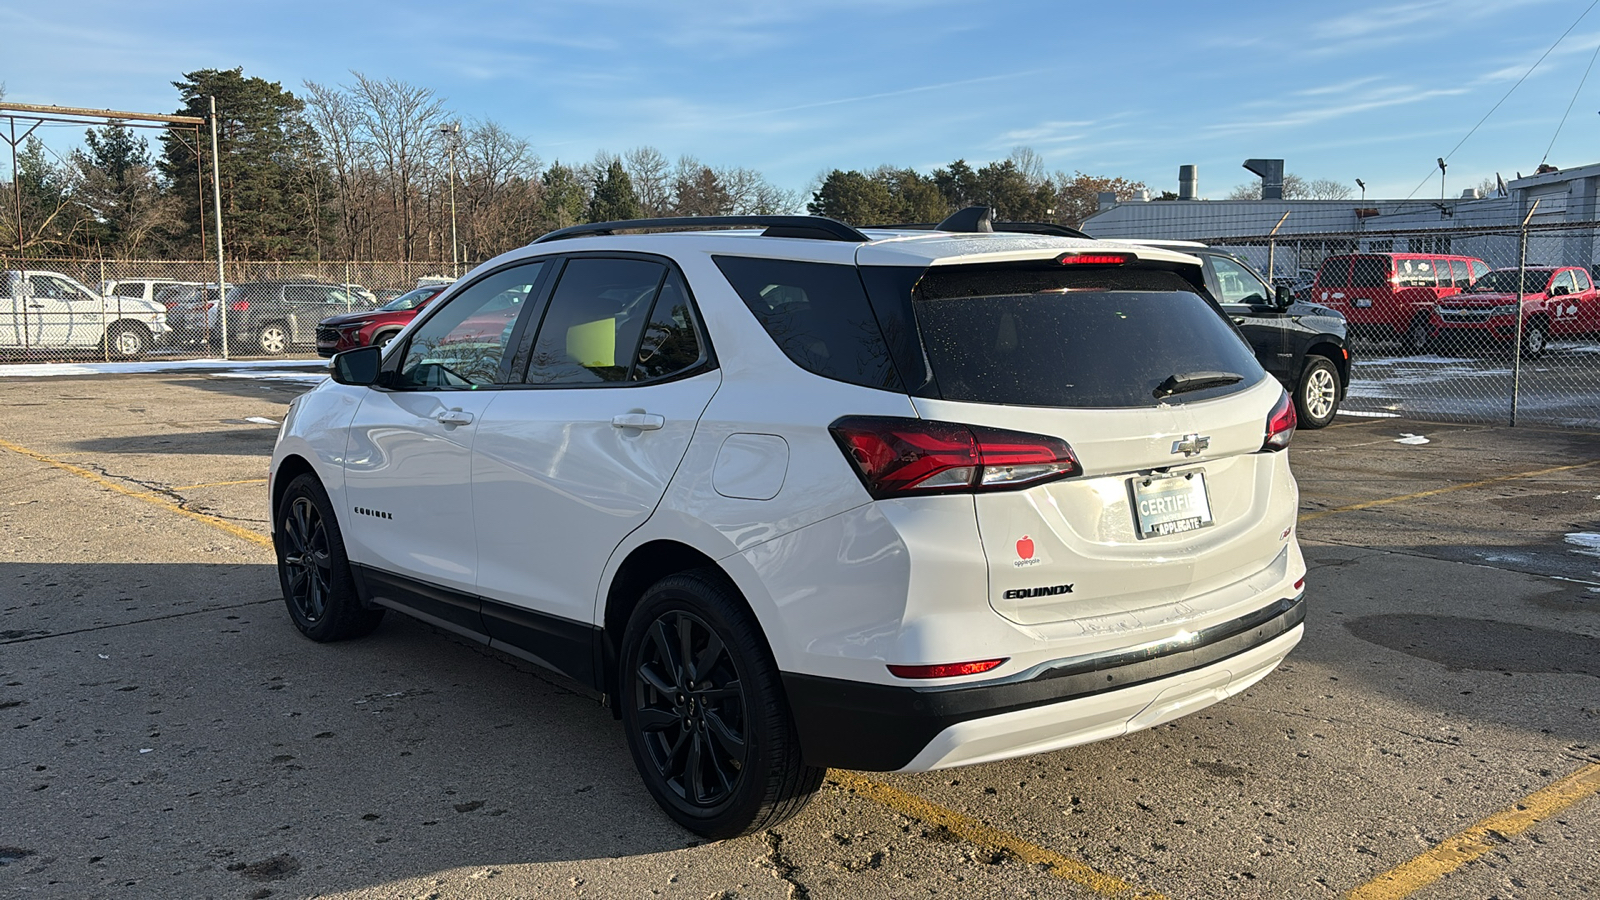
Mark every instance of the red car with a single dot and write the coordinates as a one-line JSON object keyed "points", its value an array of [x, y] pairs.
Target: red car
{"points": [[1557, 301], [348, 331], [1390, 296]]}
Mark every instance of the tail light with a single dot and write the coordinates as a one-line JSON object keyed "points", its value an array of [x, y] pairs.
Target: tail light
{"points": [[240, 305], [898, 457], [1280, 425], [946, 670], [1094, 259]]}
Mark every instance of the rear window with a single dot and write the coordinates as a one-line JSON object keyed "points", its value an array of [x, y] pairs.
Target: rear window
{"points": [[1081, 339], [1370, 272], [818, 315], [1335, 272]]}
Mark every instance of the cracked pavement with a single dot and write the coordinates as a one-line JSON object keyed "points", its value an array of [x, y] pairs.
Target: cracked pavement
{"points": [[165, 731]]}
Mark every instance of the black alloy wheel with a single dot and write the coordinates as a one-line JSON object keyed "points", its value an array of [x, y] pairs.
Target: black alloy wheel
{"points": [[1417, 336], [689, 706], [704, 713], [313, 569]]}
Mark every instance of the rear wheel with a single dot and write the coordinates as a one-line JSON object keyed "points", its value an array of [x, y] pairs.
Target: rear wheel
{"points": [[1316, 397], [127, 340], [704, 711], [313, 569], [273, 339]]}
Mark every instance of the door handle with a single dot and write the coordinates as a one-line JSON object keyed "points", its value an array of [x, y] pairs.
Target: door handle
{"points": [[453, 417], [36, 306], [641, 421]]}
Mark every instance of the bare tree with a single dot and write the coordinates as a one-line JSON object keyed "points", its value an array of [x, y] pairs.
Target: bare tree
{"points": [[346, 152], [401, 123], [1327, 189], [652, 180]]}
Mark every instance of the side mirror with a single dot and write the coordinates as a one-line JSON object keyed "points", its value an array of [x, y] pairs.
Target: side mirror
{"points": [[1284, 297], [358, 367]]}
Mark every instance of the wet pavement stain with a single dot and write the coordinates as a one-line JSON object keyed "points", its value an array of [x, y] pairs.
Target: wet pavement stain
{"points": [[1482, 644]]}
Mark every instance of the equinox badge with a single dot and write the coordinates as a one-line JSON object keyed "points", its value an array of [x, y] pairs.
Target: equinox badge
{"points": [[1191, 445]]}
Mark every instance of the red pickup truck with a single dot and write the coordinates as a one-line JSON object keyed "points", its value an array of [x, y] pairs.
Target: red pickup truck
{"points": [[1556, 301]]}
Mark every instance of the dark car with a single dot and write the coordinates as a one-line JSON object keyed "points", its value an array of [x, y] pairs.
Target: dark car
{"points": [[270, 317], [347, 331], [1304, 345]]}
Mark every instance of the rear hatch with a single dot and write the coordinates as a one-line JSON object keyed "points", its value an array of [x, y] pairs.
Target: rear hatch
{"points": [[1178, 509]]}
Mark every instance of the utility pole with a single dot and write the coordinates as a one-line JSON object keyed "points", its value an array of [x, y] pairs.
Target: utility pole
{"points": [[452, 133], [216, 200]]}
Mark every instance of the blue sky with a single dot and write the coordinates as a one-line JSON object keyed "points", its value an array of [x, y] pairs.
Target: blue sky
{"points": [[1363, 90]]}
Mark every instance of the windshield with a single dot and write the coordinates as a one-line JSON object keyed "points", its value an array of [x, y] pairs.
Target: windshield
{"points": [[1504, 281], [410, 299]]}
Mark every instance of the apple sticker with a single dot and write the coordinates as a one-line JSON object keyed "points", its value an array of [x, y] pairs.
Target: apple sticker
{"points": [[1025, 548]]}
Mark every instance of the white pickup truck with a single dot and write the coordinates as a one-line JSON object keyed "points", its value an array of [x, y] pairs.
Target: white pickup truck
{"points": [[49, 311]]}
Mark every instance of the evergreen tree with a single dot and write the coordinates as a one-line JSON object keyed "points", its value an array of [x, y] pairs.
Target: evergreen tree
{"points": [[267, 161], [853, 198], [563, 201], [614, 198], [117, 188]]}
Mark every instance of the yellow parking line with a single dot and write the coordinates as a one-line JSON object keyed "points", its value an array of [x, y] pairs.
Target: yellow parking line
{"points": [[1466, 846], [190, 487], [1306, 517], [149, 497], [973, 831]]}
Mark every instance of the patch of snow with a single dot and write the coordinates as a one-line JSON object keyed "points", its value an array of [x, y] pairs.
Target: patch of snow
{"points": [[1375, 415], [1586, 543], [1409, 438], [261, 420], [145, 367]]}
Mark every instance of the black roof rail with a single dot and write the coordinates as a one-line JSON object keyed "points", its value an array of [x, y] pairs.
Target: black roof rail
{"points": [[814, 227], [980, 220]]}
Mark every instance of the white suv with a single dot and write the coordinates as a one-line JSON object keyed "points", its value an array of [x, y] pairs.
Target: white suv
{"points": [[49, 311], [808, 496]]}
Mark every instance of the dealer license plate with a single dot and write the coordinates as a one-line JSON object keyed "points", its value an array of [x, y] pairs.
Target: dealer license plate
{"points": [[1170, 504]]}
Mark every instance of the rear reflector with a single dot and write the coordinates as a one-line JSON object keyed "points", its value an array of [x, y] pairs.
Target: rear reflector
{"points": [[896, 457], [1299, 584], [946, 670], [1280, 425], [1094, 259]]}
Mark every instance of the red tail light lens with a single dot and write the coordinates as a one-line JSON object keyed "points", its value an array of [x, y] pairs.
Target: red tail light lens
{"points": [[1280, 425], [946, 670], [239, 305], [898, 457], [1094, 259]]}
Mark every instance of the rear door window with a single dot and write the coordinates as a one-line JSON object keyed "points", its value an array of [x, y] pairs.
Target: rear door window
{"points": [[1335, 272], [1237, 283], [1086, 339]]}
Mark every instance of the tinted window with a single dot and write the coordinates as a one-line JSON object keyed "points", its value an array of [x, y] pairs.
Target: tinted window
{"points": [[1335, 272], [1504, 281], [1478, 268], [410, 299], [818, 315], [305, 293], [462, 344], [1238, 284], [670, 344], [1458, 273], [1369, 272], [128, 289], [1084, 340], [596, 316], [1582, 278]]}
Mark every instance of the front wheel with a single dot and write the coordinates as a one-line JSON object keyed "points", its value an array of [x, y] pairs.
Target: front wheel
{"points": [[1417, 335], [704, 711], [1535, 340], [127, 341], [313, 569], [1316, 397]]}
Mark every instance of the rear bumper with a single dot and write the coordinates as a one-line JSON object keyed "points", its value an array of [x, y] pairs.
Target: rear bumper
{"points": [[875, 727]]}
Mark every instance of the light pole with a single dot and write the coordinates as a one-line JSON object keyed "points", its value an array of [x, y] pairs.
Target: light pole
{"points": [[452, 132], [1363, 185], [1442, 166]]}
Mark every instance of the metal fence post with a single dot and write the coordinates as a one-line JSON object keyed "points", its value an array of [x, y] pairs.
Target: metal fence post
{"points": [[105, 336], [216, 199], [1516, 342]]}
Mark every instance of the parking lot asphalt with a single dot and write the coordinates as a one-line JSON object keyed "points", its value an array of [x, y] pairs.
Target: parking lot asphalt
{"points": [[164, 730]]}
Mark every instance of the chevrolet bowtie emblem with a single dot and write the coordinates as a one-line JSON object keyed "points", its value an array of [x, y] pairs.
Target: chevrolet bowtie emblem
{"points": [[1191, 445]]}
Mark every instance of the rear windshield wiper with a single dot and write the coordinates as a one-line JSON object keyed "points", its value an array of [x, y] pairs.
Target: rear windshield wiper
{"points": [[1194, 381]]}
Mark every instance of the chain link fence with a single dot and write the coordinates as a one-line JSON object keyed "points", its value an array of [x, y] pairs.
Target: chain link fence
{"points": [[56, 310], [1463, 311]]}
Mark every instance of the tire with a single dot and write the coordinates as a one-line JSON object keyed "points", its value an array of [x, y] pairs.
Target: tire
{"points": [[712, 737], [313, 569], [127, 341], [1316, 396], [1535, 338], [273, 339], [1417, 335]]}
